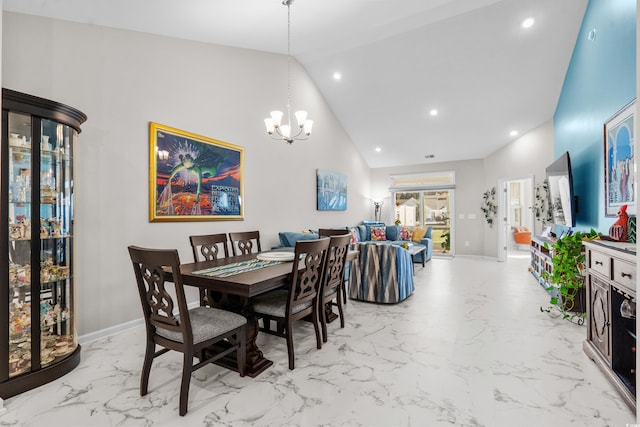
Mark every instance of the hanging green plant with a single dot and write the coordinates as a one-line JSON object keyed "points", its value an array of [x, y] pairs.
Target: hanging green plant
{"points": [[489, 206]]}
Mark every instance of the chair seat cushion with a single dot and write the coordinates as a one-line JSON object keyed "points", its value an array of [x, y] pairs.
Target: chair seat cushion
{"points": [[275, 304], [207, 323]]}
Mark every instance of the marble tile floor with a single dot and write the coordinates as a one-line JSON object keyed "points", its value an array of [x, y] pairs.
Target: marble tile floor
{"points": [[469, 348]]}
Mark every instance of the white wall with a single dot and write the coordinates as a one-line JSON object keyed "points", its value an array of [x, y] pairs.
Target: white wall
{"points": [[123, 80], [468, 198], [528, 155]]}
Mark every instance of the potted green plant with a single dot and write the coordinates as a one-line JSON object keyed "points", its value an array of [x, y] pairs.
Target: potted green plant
{"points": [[446, 243], [566, 280]]}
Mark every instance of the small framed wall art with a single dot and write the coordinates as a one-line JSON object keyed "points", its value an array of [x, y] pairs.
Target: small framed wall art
{"points": [[193, 177], [331, 190]]}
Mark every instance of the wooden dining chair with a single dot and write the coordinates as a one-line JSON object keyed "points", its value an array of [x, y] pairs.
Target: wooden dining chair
{"points": [[242, 243], [328, 232], [333, 283], [172, 326], [284, 306], [208, 247]]}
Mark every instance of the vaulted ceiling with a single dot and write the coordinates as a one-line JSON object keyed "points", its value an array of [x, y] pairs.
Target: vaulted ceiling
{"points": [[471, 60]]}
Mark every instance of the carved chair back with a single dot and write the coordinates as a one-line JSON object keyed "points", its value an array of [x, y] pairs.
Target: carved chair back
{"points": [[242, 243], [209, 247]]}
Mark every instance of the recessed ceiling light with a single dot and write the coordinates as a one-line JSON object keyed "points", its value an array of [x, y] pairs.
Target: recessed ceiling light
{"points": [[433, 112], [337, 75], [528, 23], [378, 149], [513, 133]]}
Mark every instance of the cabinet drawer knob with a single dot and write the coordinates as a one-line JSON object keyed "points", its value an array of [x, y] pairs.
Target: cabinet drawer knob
{"points": [[626, 275], [599, 263]]}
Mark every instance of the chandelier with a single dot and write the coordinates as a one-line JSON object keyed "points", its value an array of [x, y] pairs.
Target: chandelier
{"points": [[274, 124]]}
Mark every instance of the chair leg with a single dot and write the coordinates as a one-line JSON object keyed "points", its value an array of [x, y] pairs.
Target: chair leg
{"points": [[290, 344], [340, 302], [146, 367], [187, 368], [344, 291], [323, 321], [316, 326]]}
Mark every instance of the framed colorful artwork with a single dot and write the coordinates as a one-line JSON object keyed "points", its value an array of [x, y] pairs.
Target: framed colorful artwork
{"points": [[331, 190], [193, 178], [619, 161]]}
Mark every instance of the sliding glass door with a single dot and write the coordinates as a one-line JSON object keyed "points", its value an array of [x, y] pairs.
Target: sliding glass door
{"points": [[432, 208]]}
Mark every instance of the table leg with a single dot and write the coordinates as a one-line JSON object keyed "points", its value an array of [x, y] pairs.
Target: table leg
{"points": [[424, 257], [256, 362], [328, 308]]}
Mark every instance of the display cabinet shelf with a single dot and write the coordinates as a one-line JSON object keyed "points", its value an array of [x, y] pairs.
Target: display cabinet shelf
{"points": [[38, 337]]}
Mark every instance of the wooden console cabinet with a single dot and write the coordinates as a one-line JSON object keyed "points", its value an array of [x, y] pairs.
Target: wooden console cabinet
{"points": [[611, 313]]}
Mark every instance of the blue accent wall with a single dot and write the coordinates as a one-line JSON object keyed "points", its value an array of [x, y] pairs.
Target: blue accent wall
{"points": [[600, 80]]}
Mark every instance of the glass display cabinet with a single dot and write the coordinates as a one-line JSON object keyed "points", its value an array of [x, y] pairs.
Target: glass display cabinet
{"points": [[38, 333]]}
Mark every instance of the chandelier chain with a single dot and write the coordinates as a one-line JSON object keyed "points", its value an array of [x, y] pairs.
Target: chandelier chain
{"points": [[289, 61]]}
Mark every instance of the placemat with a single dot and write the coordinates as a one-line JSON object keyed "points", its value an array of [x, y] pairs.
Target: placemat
{"points": [[236, 268]]}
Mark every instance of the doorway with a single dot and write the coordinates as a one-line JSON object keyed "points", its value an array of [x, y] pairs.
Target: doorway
{"points": [[517, 220]]}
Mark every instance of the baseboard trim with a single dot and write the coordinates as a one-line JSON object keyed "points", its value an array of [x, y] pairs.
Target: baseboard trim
{"points": [[116, 329], [110, 331]]}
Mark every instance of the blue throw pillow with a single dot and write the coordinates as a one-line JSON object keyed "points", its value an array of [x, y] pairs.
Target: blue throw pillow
{"points": [[362, 233], [289, 238], [392, 232]]}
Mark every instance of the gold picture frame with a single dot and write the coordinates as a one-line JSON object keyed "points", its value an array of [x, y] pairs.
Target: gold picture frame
{"points": [[193, 177]]}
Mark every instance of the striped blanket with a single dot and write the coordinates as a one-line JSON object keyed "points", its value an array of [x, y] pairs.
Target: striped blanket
{"points": [[235, 268], [385, 274]]}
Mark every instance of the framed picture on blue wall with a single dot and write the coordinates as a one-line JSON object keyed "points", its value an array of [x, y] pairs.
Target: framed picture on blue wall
{"points": [[619, 161], [331, 190]]}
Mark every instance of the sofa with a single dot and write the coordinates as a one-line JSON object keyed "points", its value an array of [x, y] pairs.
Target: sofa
{"points": [[385, 273], [393, 234]]}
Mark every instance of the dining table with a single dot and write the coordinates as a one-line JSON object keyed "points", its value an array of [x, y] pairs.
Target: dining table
{"points": [[234, 292], [230, 283]]}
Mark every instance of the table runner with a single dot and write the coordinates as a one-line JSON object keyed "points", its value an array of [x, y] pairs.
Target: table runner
{"points": [[236, 268]]}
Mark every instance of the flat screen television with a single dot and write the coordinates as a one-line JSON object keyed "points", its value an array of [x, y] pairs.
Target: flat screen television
{"points": [[561, 196]]}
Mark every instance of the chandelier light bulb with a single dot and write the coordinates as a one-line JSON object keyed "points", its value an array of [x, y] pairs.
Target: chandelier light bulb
{"points": [[286, 131], [301, 117], [276, 116], [308, 124], [270, 126]]}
